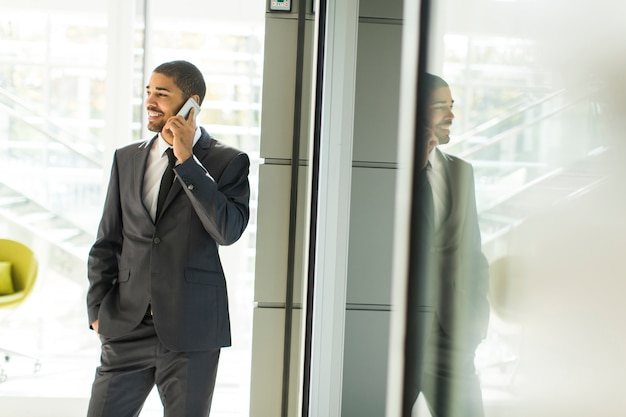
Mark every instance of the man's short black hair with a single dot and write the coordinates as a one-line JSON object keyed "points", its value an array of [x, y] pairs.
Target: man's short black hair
{"points": [[427, 83], [186, 76]]}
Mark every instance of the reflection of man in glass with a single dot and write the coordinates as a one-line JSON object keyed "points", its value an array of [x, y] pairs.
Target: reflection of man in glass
{"points": [[451, 274]]}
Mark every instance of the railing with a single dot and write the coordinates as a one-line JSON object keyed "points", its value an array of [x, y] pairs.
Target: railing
{"points": [[83, 145], [500, 123], [562, 100], [49, 165], [63, 172], [516, 154]]}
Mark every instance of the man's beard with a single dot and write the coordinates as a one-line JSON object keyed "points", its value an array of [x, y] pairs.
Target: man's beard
{"points": [[443, 139], [441, 131], [155, 127]]}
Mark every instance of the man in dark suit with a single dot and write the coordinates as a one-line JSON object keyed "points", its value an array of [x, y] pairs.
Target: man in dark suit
{"points": [[448, 310], [157, 294]]}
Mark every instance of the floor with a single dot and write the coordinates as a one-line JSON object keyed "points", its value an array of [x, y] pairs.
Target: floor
{"points": [[61, 388], [52, 326]]}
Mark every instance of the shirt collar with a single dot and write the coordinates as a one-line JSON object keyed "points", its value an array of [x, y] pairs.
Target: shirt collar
{"points": [[433, 158], [163, 145]]}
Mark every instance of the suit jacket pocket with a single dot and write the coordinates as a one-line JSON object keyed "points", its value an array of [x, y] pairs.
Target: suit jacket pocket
{"points": [[205, 277], [123, 275]]}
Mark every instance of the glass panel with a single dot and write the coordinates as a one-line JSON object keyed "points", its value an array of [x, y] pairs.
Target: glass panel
{"points": [[535, 115], [53, 91]]}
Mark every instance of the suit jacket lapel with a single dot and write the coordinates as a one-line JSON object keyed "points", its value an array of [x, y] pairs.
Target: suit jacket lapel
{"points": [[139, 169], [200, 151]]}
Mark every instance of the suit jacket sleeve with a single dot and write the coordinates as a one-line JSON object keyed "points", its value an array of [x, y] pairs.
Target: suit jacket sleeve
{"points": [[222, 203], [474, 299], [103, 261]]}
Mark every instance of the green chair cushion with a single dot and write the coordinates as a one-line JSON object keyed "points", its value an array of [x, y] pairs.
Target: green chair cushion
{"points": [[6, 281]]}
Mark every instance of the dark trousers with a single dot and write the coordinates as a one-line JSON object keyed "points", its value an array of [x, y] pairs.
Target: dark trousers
{"points": [[445, 374], [132, 365]]}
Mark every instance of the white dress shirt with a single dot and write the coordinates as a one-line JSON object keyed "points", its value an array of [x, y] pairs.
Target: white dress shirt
{"points": [[437, 180], [155, 167]]}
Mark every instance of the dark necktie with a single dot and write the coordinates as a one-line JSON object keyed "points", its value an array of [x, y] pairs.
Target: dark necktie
{"points": [[166, 180]]}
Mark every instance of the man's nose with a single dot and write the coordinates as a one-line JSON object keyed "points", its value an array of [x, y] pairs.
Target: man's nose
{"points": [[149, 100]]}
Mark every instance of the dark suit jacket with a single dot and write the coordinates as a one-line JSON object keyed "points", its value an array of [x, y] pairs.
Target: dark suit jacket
{"points": [[172, 263], [458, 272]]}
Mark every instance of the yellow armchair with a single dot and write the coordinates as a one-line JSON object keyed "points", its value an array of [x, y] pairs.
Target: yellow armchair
{"points": [[18, 273]]}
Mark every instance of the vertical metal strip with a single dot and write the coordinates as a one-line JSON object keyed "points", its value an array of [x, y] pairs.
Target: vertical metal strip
{"points": [[144, 58], [336, 134], [315, 163], [293, 209], [412, 365]]}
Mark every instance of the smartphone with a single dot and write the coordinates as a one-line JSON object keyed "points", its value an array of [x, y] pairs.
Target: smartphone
{"points": [[189, 104]]}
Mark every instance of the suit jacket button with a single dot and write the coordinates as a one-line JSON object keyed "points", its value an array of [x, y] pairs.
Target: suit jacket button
{"points": [[190, 187], [156, 241]]}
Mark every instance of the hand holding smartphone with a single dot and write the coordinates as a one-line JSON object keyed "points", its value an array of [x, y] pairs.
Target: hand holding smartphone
{"points": [[181, 135], [428, 140], [189, 104]]}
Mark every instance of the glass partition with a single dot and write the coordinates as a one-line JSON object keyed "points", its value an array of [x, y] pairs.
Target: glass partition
{"points": [[59, 73], [538, 104]]}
